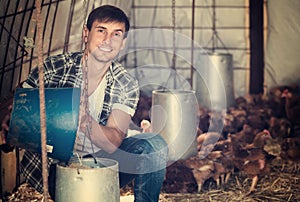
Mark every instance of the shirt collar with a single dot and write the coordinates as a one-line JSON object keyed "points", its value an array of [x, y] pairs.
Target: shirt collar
{"points": [[109, 74]]}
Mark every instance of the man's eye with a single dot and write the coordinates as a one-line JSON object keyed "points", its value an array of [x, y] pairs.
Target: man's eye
{"points": [[118, 34]]}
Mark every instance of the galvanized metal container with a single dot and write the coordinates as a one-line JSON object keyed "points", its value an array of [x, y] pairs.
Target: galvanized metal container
{"points": [[213, 81], [88, 181], [174, 116]]}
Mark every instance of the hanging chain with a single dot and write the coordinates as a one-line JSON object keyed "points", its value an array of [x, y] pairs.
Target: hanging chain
{"points": [[88, 120], [85, 96], [214, 36], [88, 123], [174, 35], [85, 76], [85, 5], [173, 74]]}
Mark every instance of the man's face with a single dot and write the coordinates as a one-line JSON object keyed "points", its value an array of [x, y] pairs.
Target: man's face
{"points": [[105, 40]]}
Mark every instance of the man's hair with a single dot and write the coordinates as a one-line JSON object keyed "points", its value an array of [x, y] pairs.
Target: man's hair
{"points": [[108, 13]]}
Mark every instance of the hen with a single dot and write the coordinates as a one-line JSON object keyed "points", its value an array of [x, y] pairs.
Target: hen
{"points": [[290, 154], [179, 179], [292, 110], [223, 166], [251, 159], [240, 117], [279, 127], [259, 140], [206, 143], [202, 169], [248, 133], [204, 119]]}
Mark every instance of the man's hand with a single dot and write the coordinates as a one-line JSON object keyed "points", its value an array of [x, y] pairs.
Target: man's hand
{"points": [[5, 111], [85, 121], [4, 130]]}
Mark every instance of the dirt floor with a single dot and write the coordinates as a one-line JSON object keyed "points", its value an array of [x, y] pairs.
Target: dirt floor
{"points": [[282, 184]]}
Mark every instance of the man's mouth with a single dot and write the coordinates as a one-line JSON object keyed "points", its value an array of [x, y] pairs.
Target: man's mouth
{"points": [[105, 49]]}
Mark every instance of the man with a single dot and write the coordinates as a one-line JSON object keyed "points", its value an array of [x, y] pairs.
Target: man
{"points": [[109, 99]]}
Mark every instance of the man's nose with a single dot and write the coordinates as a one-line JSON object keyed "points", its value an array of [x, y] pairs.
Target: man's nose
{"points": [[107, 39]]}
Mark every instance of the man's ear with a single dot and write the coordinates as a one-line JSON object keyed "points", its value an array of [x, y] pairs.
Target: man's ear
{"points": [[85, 33], [123, 43]]}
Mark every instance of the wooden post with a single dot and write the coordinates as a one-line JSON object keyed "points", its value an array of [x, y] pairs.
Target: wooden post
{"points": [[42, 100], [256, 46], [8, 171]]}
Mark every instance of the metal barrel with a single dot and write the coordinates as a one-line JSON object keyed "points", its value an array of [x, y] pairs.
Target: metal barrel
{"points": [[88, 181], [174, 117], [213, 81]]}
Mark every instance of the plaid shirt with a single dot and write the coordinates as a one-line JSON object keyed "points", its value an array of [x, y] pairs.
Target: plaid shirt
{"points": [[65, 70]]}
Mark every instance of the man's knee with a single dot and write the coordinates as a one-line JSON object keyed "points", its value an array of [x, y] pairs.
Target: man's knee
{"points": [[153, 142]]}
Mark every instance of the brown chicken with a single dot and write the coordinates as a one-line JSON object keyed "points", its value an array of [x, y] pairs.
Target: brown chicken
{"points": [[206, 143], [202, 169], [253, 169], [290, 154], [179, 179], [241, 102], [208, 138], [246, 135], [204, 119], [259, 140], [223, 166], [276, 102], [257, 120], [229, 125], [223, 145], [292, 106], [251, 159], [292, 110], [143, 109], [216, 121], [279, 127]]}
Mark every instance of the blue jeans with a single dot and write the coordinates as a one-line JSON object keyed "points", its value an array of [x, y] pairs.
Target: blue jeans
{"points": [[141, 158]]}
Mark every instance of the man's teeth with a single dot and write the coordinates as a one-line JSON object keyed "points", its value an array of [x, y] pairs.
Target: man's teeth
{"points": [[105, 49]]}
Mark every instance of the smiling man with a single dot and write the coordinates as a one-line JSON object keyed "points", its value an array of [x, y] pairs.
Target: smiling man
{"points": [[108, 101]]}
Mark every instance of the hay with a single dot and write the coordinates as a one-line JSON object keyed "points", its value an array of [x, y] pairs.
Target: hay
{"points": [[279, 185], [26, 193], [78, 166]]}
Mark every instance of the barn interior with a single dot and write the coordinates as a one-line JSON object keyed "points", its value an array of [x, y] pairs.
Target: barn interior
{"points": [[231, 66]]}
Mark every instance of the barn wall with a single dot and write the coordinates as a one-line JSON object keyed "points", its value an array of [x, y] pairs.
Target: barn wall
{"points": [[155, 46], [63, 21], [283, 43], [150, 46]]}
